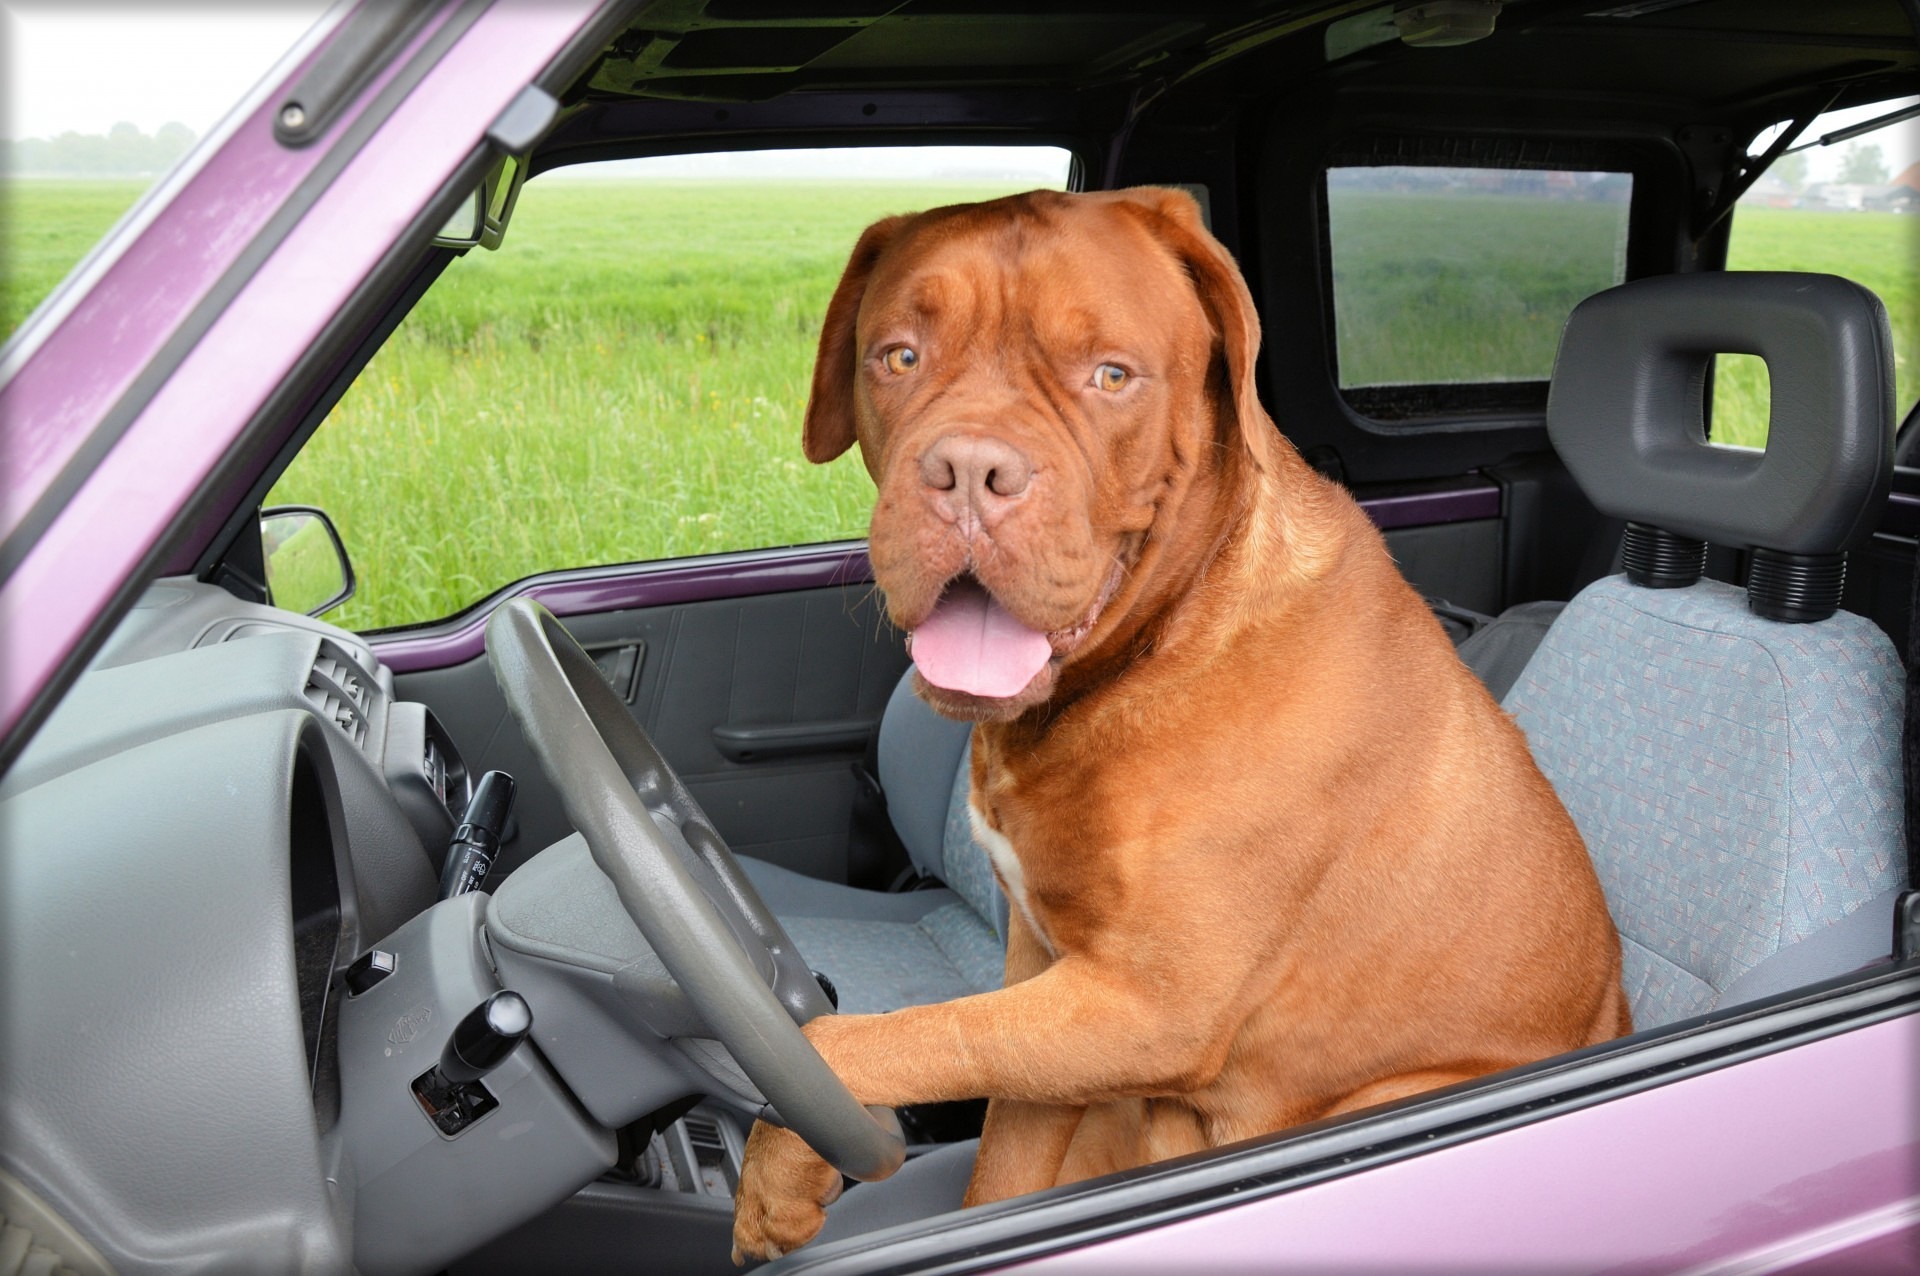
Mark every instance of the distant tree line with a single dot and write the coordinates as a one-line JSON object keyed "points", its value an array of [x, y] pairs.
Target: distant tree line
{"points": [[125, 151], [1862, 163]]}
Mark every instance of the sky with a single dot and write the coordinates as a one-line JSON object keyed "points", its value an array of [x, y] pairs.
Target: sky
{"points": [[1899, 143], [85, 65]]}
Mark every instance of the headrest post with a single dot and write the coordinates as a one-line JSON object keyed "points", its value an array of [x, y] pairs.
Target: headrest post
{"points": [[1655, 558], [1796, 588]]}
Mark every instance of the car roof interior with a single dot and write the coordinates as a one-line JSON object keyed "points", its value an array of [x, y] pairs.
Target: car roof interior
{"points": [[1736, 56]]}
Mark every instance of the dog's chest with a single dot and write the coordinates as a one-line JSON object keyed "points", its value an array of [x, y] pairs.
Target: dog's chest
{"points": [[1006, 863]]}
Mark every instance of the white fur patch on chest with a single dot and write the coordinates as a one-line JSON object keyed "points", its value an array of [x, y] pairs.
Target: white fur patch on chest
{"points": [[1006, 862]]}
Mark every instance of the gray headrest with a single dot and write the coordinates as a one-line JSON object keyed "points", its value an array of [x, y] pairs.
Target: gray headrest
{"points": [[1625, 408]]}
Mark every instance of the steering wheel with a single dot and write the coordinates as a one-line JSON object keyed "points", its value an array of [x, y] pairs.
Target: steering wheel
{"points": [[619, 791]]}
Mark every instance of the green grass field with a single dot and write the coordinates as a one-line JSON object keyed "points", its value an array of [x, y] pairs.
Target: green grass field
{"points": [[1434, 289], [1880, 250], [46, 227], [624, 380]]}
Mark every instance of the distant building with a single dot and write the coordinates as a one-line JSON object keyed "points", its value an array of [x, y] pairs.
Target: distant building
{"points": [[1770, 191], [1838, 197], [1903, 192]]}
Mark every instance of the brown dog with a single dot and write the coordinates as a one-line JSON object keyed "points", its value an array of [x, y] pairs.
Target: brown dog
{"points": [[1273, 852]]}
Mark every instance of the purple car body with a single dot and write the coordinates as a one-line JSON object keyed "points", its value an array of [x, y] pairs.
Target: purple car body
{"points": [[121, 419]]}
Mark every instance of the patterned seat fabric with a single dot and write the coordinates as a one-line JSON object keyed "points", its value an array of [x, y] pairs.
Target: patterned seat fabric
{"points": [[1737, 782], [884, 950]]}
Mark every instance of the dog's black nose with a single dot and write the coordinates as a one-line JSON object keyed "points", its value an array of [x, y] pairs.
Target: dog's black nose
{"points": [[974, 473]]}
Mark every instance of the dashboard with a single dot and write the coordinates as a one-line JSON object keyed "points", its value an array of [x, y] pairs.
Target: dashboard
{"points": [[228, 986], [227, 807]]}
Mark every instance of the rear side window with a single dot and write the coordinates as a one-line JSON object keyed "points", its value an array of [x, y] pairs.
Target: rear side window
{"points": [[1454, 276], [1850, 209]]}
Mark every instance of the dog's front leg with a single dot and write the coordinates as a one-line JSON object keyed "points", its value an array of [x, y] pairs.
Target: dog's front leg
{"points": [[1081, 1032], [785, 1189], [1021, 1149], [1024, 1144]]}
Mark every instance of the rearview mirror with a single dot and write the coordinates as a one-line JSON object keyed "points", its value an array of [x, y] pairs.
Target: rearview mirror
{"points": [[482, 218], [307, 566]]}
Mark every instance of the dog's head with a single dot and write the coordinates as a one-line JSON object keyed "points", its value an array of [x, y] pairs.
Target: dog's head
{"points": [[1054, 396]]}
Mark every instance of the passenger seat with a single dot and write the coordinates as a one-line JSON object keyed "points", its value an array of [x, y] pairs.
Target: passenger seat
{"points": [[1731, 756]]}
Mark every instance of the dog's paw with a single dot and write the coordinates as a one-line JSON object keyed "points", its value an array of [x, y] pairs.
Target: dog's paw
{"points": [[785, 1189]]}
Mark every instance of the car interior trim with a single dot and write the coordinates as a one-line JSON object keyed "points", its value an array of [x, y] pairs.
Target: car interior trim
{"points": [[738, 575], [748, 573]]}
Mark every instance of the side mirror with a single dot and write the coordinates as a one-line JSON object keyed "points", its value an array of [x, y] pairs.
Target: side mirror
{"points": [[482, 219], [307, 565]]}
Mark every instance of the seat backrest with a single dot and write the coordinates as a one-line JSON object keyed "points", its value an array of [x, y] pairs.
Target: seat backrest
{"points": [[925, 770], [1732, 757], [919, 753], [1737, 781]]}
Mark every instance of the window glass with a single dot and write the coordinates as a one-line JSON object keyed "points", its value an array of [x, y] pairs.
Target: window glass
{"points": [[623, 380], [1450, 276], [1850, 209]]}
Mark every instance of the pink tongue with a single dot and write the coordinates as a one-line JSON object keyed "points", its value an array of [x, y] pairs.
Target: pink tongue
{"points": [[974, 645]]}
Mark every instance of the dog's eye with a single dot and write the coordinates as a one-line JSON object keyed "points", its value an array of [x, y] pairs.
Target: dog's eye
{"points": [[1109, 376], [901, 359]]}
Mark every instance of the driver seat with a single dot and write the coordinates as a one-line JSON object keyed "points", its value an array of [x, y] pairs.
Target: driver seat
{"points": [[885, 950]]}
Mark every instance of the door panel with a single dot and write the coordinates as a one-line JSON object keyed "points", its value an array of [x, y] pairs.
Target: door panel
{"points": [[1459, 562], [808, 659], [762, 701]]}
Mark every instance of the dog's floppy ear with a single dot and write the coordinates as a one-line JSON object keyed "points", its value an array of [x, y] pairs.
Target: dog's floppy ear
{"points": [[829, 425], [1175, 217]]}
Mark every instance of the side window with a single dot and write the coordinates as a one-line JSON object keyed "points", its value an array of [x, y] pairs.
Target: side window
{"points": [[1451, 276], [623, 380], [1850, 209]]}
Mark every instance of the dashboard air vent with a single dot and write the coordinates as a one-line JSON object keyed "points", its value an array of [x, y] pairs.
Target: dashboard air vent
{"points": [[341, 691]]}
